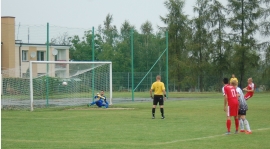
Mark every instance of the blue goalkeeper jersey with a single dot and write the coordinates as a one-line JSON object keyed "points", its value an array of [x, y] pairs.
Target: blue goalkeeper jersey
{"points": [[99, 102]]}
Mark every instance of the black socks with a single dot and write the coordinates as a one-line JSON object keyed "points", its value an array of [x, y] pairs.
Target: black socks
{"points": [[153, 111], [162, 111]]}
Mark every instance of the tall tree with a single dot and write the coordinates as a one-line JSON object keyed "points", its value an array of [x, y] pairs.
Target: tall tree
{"points": [[109, 31], [146, 29], [265, 23], [123, 47], [81, 49], [265, 32], [220, 45], [125, 30], [244, 15], [201, 40], [177, 24]]}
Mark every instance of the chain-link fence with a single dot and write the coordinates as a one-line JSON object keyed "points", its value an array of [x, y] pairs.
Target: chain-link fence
{"points": [[37, 34], [122, 83], [137, 55]]}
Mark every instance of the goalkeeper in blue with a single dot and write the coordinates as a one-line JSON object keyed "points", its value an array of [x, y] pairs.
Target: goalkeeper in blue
{"points": [[100, 100]]}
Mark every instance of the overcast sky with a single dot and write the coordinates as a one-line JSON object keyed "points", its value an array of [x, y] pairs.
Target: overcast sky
{"points": [[82, 14], [87, 13]]}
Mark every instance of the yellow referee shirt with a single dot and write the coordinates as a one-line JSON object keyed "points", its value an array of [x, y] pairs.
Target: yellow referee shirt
{"points": [[158, 88]]}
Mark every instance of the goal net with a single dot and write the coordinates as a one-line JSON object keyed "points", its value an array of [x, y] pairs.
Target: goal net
{"points": [[59, 83]]}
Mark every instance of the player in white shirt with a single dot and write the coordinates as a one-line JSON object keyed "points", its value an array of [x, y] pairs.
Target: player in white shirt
{"points": [[243, 107]]}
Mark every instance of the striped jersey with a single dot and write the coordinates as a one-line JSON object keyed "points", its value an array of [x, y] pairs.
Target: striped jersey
{"points": [[241, 99]]}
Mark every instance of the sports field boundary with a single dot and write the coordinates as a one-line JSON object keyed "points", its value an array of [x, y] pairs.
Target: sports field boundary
{"points": [[132, 143], [214, 136]]}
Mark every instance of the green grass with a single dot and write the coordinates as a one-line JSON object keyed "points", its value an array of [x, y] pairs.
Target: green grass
{"points": [[197, 123]]}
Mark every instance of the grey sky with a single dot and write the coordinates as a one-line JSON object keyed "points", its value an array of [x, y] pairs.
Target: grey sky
{"points": [[86, 13], [83, 14]]}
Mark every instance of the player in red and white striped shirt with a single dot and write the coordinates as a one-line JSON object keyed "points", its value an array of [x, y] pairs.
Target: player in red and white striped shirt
{"points": [[243, 107], [249, 89]]}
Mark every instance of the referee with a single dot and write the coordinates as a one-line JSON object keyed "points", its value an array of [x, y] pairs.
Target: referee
{"points": [[159, 91]]}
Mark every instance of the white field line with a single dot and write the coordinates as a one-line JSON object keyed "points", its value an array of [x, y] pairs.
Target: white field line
{"points": [[42, 118], [262, 129], [124, 143], [201, 138], [192, 139]]}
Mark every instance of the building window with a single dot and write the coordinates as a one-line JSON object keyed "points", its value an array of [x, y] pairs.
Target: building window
{"points": [[24, 55], [61, 55], [40, 55], [55, 58]]}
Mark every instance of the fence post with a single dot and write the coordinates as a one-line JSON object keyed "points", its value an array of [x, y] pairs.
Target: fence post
{"points": [[47, 76], [132, 65], [93, 59], [167, 64]]}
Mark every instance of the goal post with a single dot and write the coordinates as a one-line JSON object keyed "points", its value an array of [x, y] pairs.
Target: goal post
{"points": [[68, 83]]}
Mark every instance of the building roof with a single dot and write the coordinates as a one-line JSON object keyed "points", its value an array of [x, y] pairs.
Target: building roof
{"points": [[7, 17], [38, 44]]}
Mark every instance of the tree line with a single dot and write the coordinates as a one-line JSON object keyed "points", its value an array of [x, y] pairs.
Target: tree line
{"points": [[218, 41]]}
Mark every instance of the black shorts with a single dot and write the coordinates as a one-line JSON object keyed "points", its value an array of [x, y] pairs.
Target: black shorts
{"points": [[158, 99], [242, 111]]}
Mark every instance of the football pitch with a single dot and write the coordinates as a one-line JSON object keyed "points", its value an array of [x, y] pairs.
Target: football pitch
{"points": [[195, 121]]}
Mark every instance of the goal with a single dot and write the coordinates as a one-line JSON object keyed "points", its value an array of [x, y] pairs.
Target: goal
{"points": [[65, 83]]}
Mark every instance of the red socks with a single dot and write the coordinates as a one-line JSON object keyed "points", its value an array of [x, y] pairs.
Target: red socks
{"points": [[236, 124], [228, 125]]}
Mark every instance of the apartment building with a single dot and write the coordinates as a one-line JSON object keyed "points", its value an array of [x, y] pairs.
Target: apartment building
{"points": [[15, 54]]}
